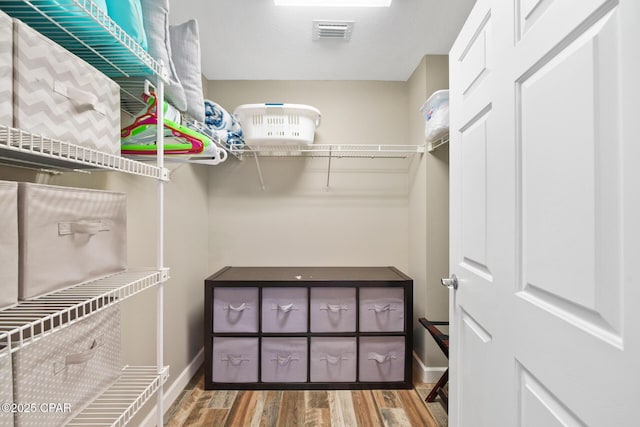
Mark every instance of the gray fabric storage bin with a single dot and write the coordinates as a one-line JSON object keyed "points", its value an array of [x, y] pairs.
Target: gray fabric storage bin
{"points": [[381, 359], [235, 360], [333, 359], [8, 243], [284, 309], [381, 309], [6, 70], [284, 360], [68, 236], [6, 386], [235, 310], [60, 96], [73, 365], [333, 309]]}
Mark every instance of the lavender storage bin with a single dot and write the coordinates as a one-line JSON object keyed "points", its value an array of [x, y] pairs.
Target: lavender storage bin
{"points": [[284, 309], [381, 359], [235, 360], [333, 309], [235, 310], [381, 309], [333, 359], [284, 360]]}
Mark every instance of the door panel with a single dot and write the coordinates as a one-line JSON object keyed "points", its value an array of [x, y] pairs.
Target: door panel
{"points": [[476, 348], [474, 58], [560, 208], [528, 12], [540, 407], [474, 196]]}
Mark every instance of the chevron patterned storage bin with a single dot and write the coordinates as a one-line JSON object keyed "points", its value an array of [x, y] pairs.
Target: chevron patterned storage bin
{"points": [[68, 236], [58, 95], [8, 243], [6, 387], [70, 367], [6, 70]]}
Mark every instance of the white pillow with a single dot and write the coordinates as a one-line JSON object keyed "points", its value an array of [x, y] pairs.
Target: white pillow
{"points": [[156, 26], [185, 52]]}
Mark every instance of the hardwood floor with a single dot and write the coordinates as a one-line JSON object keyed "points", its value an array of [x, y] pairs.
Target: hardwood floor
{"points": [[277, 408]]}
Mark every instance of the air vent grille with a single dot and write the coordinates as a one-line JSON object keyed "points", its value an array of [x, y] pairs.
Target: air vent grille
{"points": [[332, 30]]}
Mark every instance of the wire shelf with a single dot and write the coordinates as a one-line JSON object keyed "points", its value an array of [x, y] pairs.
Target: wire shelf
{"points": [[432, 145], [32, 150], [330, 150], [120, 402], [131, 91], [87, 31], [5, 349], [33, 319]]}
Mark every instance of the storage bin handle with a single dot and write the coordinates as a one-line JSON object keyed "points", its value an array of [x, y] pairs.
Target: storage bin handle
{"points": [[242, 307], [90, 228], [381, 358], [79, 97], [381, 308], [334, 360], [77, 358], [285, 360], [334, 308], [284, 307], [235, 360]]}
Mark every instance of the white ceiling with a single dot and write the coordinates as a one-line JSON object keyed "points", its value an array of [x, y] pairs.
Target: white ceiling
{"points": [[255, 40]]}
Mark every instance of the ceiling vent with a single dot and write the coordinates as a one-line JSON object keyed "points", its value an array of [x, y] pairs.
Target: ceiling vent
{"points": [[332, 30]]}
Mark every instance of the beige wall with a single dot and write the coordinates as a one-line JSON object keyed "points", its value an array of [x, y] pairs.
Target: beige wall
{"points": [[376, 212], [361, 219], [437, 191], [428, 212]]}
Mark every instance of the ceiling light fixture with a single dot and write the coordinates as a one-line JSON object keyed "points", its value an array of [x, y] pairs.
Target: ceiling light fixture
{"points": [[334, 3]]}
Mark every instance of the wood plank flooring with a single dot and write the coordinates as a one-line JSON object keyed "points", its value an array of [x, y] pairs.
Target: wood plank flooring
{"points": [[277, 408]]}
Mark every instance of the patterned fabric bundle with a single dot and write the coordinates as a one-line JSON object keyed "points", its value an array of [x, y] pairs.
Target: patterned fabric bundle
{"points": [[222, 124]]}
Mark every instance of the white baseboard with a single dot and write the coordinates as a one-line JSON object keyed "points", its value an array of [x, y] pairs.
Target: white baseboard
{"points": [[172, 393], [427, 374]]}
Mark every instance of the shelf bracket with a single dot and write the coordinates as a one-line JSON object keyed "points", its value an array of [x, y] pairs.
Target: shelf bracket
{"points": [[255, 156], [329, 167], [164, 274]]}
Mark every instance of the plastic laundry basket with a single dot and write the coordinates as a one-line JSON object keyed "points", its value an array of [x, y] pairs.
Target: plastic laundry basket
{"points": [[278, 124], [436, 115]]}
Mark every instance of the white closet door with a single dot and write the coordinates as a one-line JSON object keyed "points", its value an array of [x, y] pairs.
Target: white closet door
{"points": [[544, 203]]}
